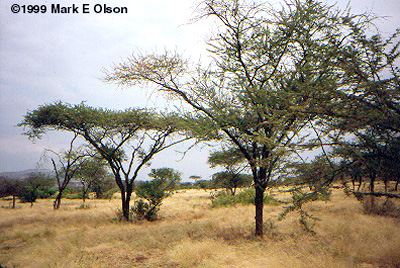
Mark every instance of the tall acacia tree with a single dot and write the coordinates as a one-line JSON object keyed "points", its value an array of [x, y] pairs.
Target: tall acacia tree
{"points": [[270, 71], [127, 139]]}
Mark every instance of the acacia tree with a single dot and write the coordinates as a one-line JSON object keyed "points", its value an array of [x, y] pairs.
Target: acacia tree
{"points": [[10, 187], [232, 161], [66, 165], [169, 176], [127, 140], [91, 173], [270, 71], [36, 186]]}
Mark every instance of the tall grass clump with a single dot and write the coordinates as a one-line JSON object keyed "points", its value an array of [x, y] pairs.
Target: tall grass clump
{"points": [[244, 197]]}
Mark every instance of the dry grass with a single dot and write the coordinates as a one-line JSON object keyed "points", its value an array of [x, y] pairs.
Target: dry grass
{"points": [[190, 234]]}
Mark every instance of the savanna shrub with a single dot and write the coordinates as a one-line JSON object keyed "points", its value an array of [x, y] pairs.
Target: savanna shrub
{"points": [[144, 210], [381, 206], [244, 197]]}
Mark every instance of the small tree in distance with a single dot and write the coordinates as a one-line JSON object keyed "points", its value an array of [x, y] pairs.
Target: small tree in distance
{"points": [[231, 182], [233, 162], [91, 175], [36, 186], [9, 187], [66, 165]]}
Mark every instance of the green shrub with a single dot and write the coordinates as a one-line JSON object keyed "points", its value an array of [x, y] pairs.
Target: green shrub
{"points": [[73, 195], [244, 197], [109, 194], [143, 210]]}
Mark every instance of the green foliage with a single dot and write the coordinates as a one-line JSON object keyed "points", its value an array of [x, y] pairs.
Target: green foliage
{"points": [[153, 191], [312, 174], [186, 185], [169, 176], [109, 194], [144, 210], [231, 182], [204, 184], [244, 197], [71, 193], [9, 187], [36, 186], [95, 177], [300, 197], [232, 160], [226, 158], [165, 180]]}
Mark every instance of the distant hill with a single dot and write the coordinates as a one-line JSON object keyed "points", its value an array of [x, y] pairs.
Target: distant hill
{"points": [[22, 175]]}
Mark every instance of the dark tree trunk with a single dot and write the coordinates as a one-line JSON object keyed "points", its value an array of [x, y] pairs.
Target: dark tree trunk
{"points": [[397, 184], [57, 201], [259, 203], [359, 182], [13, 202], [126, 198], [372, 181], [84, 194]]}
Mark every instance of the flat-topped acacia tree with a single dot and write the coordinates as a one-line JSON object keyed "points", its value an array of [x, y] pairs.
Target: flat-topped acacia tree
{"points": [[233, 163], [126, 139]]}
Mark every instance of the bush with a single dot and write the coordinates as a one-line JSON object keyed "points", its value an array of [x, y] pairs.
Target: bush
{"points": [[109, 194], [245, 197], [381, 206], [144, 210], [34, 187], [153, 192]]}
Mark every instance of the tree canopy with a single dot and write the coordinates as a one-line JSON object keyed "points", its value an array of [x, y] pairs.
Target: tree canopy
{"points": [[273, 72], [126, 139]]}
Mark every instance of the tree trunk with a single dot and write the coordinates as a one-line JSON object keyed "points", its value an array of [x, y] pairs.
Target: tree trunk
{"points": [[126, 198], [84, 196], [372, 181], [259, 203], [13, 202], [359, 182], [57, 201]]}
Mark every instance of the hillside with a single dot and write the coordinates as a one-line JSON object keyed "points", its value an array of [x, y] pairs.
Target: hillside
{"points": [[22, 175]]}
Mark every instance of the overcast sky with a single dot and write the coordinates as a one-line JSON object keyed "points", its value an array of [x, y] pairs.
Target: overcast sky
{"points": [[46, 57]]}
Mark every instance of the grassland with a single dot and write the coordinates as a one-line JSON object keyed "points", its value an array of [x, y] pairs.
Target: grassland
{"points": [[191, 234]]}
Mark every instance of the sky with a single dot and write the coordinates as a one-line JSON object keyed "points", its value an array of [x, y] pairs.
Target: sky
{"points": [[47, 57]]}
